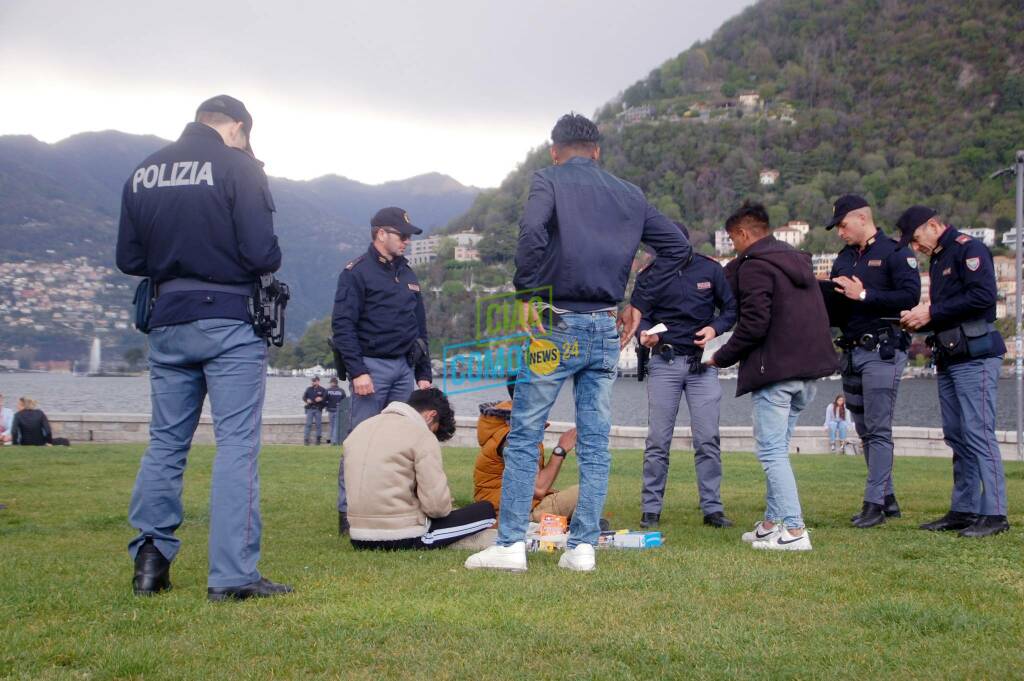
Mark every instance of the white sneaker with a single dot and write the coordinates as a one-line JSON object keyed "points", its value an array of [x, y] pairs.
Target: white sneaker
{"points": [[580, 558], [759, 533], [785, 541], [507, 558]]}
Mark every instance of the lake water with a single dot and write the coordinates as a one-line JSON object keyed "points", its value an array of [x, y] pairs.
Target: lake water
{"points": [[917, 404]]}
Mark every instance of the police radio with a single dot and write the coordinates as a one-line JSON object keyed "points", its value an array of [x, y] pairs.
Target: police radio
{"points": [[266, 306]]}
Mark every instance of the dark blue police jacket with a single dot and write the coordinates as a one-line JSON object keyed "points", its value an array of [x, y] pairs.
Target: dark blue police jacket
{"points": [[198, 209], [688, 302], [890, 277], [963, 287], [378, 312], [579, 232]]}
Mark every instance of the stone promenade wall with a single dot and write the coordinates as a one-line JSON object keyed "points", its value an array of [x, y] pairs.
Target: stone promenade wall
{"points": [[288, 430]]}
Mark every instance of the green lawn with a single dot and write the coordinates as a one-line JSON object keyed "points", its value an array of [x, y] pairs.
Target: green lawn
{"points": [[892, 602]]}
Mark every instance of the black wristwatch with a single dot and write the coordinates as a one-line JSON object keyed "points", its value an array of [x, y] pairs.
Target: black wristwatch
{"points": [[558, 451]]}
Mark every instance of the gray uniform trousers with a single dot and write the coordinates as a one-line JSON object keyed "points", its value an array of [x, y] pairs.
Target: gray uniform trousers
{"points": [[870, 386], [667, 382], [393, 381]]}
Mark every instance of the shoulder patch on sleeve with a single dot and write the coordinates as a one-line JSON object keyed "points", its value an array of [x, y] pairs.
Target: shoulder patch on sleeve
{"points": [[963, 238], [912, 262], [973, 263]]}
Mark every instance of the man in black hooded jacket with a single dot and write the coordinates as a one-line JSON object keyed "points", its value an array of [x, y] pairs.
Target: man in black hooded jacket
{"points": [[782, 342]]}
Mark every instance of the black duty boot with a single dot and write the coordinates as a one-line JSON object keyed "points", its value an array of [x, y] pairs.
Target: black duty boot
{"points": [[259, 589], [954, 520], [892, 507], [649, 520], [152, 571], [343, 526], [870, 515], [986, 526], [717, 519]]}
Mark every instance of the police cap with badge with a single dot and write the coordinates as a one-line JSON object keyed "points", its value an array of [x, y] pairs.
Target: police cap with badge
{"points": [[395, 218]]}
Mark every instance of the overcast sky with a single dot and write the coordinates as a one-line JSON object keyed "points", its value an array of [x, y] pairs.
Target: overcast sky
{"points": [[374, 91]]}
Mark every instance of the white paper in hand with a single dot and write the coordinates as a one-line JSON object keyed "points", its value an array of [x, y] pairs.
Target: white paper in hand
{"points": [[712, 347], [656, 329]]}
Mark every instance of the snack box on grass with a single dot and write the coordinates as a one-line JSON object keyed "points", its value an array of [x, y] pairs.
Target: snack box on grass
{"points": [[637, 540], [553, 524]]}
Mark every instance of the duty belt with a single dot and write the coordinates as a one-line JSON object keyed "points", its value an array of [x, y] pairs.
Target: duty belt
{"points": [[187, 284]]}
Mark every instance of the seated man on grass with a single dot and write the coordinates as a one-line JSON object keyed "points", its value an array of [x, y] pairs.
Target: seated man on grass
{"points": [[491, 431], [398, 494]]}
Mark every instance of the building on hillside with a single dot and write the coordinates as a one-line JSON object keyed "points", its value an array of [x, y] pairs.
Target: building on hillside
{"points": [[749, 100], [423, 251], [466, 254], [723, 244], [1004, 266], [467, 239], [789, 235], [985, 235], [1010, 239], [822, 264], [799, 226], [636, 114], [769, 177]]}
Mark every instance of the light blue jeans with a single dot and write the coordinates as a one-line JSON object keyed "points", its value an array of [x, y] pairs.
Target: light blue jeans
{"points": [[776, 408], [227, 360], [837, 429], [588, 351]]}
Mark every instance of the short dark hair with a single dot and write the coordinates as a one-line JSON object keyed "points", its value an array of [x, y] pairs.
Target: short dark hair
{"points": [[429, 399], [750, 214], [575, 130]]}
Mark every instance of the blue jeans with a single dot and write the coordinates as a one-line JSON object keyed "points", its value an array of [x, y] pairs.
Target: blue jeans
{"points": [[339, 426], [227, 360], [393, 381], [776, 408], [967, 398], [314, 421], [588, 352], [837, 429]]}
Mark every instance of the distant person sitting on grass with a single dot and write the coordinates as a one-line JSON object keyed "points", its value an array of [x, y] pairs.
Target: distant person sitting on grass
{"points": [[491, 431], [6, 421], [398, 495], [30, 425]]}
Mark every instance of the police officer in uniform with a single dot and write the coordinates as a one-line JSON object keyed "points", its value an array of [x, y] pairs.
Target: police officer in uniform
{"points": [[380, 327], [337, 410], [968, 352], [686, 305], [197, 219], [872, 280]]}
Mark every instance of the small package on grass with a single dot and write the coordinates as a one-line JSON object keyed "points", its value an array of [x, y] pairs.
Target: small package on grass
{"points": [[637, 540], [549, 535]]}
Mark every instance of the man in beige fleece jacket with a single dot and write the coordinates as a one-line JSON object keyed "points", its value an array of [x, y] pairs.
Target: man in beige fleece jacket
{"points": [[398, 495]]}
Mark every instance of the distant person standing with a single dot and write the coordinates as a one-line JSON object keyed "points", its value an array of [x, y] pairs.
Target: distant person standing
{"points": [[315, 399], [697, 305], [380, 327], [968, 352], [578, 235], [782, 342], [872, 280], [197, 219], [337, 411]]}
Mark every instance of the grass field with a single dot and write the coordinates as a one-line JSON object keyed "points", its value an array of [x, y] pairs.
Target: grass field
{"points": [[892, 602]]}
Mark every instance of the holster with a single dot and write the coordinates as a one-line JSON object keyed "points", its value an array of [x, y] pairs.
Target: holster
{"points": [[143, 301], [643, 356], [339, 361]]}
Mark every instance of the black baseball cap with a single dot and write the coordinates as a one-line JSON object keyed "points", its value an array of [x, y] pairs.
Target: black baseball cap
{"points": [[233, 109], [843, 205], [912, 218], [396, 218]]}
